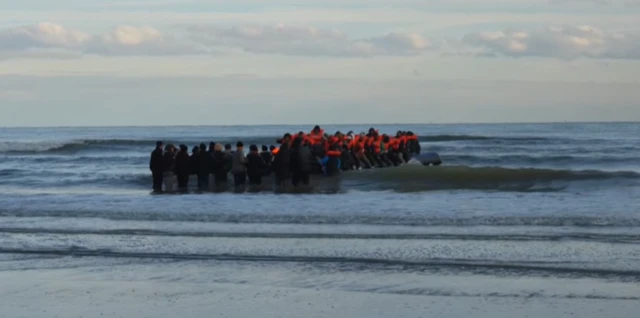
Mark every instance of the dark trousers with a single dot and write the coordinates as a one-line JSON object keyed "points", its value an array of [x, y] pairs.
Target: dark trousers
{"points": [[220, 178], [183, 181], [240, 179], [203, 181], [386, 160], [281, 178], [298, 177], [158, 177], [255, 179], [406, 156]]}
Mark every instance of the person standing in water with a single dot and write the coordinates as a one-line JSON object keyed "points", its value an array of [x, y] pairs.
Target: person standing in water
{"points": [[221, 162], [169, 168], [183, 167], [281, 161], [256, 166], [239, 166], [204, 166], [156, 165]]}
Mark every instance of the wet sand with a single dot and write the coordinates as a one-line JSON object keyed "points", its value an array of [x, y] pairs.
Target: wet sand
{"points": [[98, 292]]}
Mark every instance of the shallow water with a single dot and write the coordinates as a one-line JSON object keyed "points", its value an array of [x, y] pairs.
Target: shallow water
{"points": [[552, 201]]}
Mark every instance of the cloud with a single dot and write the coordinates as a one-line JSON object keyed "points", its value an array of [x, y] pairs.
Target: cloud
{"points": [[309, 41], [565, 42], [51, 39]]}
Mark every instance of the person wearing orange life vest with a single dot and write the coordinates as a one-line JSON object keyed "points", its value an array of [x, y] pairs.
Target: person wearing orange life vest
{"points": [[369, 149], [393, 151], [331, 162], [378, 149], [350, 142], [348, 159], [357, 149], [413, 144], [316, 134]]}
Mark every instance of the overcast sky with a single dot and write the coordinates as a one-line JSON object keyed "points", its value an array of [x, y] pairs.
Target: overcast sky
{"points": [[195, 62]]}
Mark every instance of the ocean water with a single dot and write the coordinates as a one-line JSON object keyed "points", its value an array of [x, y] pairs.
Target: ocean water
{"points": [[516, 210]]}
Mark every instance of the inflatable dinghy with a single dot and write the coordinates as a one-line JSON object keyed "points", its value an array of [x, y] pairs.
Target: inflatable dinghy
{"points": [[426, 159]]}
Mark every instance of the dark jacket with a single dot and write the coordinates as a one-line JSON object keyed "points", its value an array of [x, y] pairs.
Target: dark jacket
{"points": [[346, 160], [183, 163], [266, 156], [156, 164], [301, 159], [194, 163], [204, 162], [221, 163], [281, 161], [256, 165]]}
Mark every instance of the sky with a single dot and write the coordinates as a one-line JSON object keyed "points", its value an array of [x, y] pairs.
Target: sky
{"points": [[229, 62]]}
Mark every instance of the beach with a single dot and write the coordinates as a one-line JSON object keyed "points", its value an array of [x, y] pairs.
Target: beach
{"points": [[210, 291]]}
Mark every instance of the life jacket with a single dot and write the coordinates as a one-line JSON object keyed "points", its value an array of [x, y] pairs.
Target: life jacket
{"points": [[376, 145], [316, 136], [275, 151], [402, 144], [394, 144]]}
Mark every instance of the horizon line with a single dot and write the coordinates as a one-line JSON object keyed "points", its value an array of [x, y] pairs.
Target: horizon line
{"points": [[328, 124]]}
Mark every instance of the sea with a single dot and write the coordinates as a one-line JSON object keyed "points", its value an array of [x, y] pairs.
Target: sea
{"points": [[516, 211]]}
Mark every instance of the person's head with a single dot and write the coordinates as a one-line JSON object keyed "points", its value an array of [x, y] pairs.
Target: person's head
{"points": [[286, 138], [239, 145], [212, 145], [264, 148], [203, 147], [253, 148], [272, 147], [316, 128], [227, 147], [218, 147], [195, 149], [159, 144], [300, 134], [184, 148], [170, 148]]}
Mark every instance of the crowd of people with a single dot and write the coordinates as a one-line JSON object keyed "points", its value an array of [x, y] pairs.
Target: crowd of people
{"points": [[296, 158]]}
